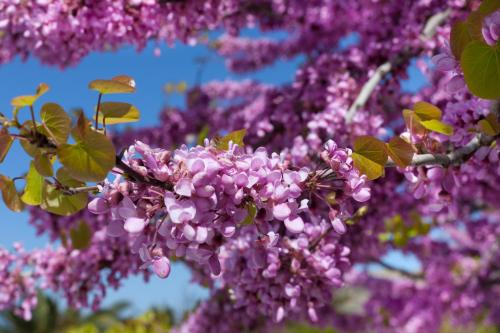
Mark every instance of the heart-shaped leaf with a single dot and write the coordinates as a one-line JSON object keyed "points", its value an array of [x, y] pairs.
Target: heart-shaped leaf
{"points": [[437, 126], [427, 111], [29, 100], [43, 164], [460, 36], [369, 156], [412, 122], [481, 66], [33, 191], [400, 151], [90, 159], [118, 112], [81, 236], [56, 202], [490, 125], [5, 144], [56, 122], [9, 194], [117, 85]]}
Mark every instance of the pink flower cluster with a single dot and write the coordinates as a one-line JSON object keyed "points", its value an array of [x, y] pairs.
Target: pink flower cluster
{"points": [[209, 194]]}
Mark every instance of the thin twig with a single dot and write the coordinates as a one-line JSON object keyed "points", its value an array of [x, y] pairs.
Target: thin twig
{"points": [[369, 87], [33, 120], [76, 190], [411, 275]]}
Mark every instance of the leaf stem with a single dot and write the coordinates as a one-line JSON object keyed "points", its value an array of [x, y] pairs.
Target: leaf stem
{"points": [[98, 108], [33, 120]]}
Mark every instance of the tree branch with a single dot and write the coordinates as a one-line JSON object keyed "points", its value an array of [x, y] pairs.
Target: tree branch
{"points": [[455, 157], [460, 155], [369, 87], [411, 275]]}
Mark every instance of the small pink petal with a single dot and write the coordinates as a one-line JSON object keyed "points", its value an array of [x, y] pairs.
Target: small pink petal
{"points": [[214, 265], [134, 224], [161, 267], [98, 206], [338, 226], [184, 187], [281, 211], [294, 225], [115, 228], [363, 194]]}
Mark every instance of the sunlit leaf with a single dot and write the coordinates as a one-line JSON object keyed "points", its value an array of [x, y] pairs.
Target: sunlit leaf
{"points": [[117, 85], [118, 112], [81, 236], [490, 125], [481, 66], [56, 122], [412, 122], [427, 111], [9, 194], [236, 137], [29, 100], [5, 144], [33, 190], [125, 79], [437, 126], [488, 7], [400, 151], [369, 156], [90, 158], [55, 201], [43, 164], [459, 38]]}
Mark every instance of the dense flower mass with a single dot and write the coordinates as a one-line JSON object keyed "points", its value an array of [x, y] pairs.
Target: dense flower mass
{"points": [[281, 227], [208, 192]]}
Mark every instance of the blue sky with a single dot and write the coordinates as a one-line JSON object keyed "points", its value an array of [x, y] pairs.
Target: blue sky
{"points": [[69, 89]]}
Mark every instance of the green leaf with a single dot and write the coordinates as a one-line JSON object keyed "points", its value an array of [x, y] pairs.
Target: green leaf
{"points": [[56, 122], [369, 156], [81, 236], [29, 100], [90, 159], [117, 85], [10, 195], [252, 212], [5, 144], [33, 191], [427, 111], [400, 151], [412, 122], [400, 239], [236, 137], [118, 112], [490, 125], [55, 201], [26, 131], [437, 126], [488, 7], [481, 66], [43, 164], [460, 36]]}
